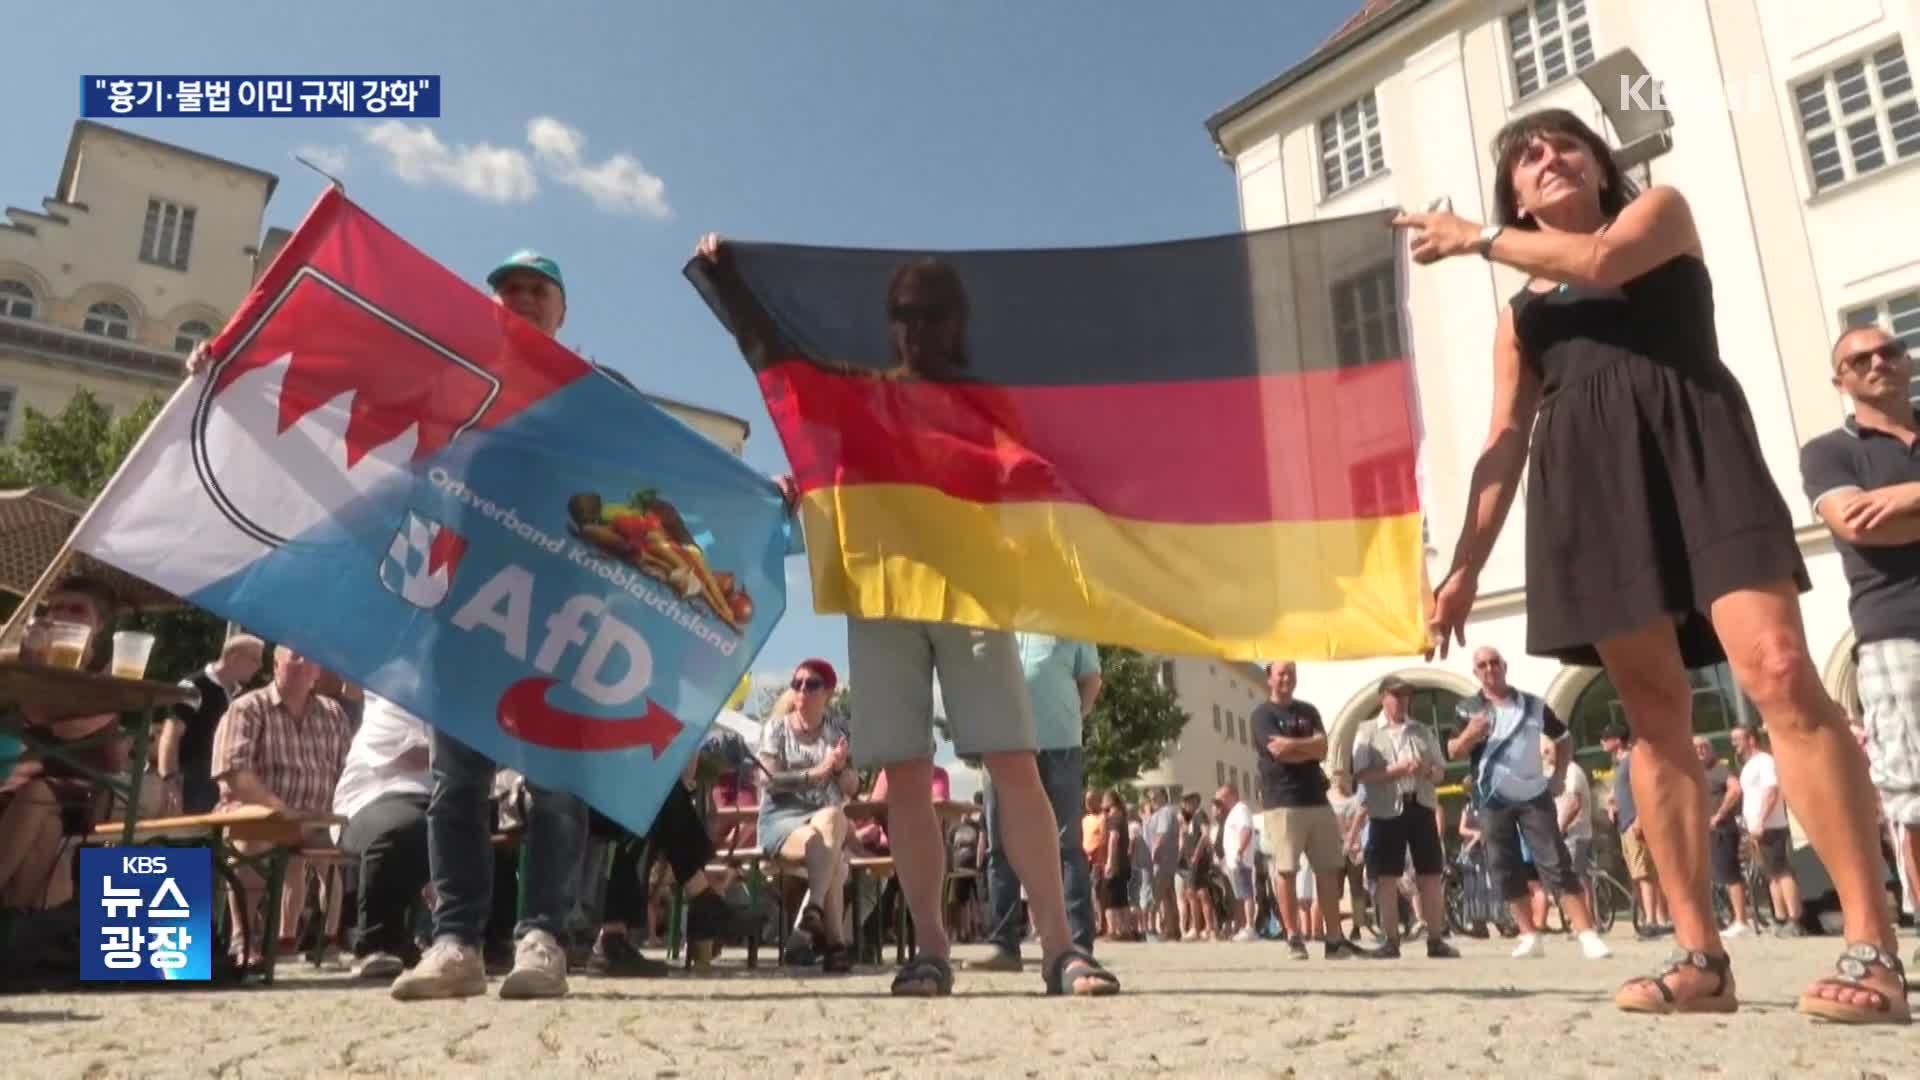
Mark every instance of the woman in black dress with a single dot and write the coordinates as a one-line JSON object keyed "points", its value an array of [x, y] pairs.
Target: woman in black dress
{"points": [[1656, 538]]}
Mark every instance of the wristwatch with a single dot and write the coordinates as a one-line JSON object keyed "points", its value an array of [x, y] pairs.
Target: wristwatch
{"points": [[1487, 236]]}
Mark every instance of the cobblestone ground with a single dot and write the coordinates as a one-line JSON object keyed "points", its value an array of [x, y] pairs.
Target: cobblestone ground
{"points": [[1226, 1010]]}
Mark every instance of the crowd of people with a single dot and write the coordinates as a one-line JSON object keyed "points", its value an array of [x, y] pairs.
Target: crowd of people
{"points": [[1657, 542]]}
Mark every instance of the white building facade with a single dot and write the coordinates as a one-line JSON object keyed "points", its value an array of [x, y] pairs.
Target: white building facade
{"points": [[1795, 131]]}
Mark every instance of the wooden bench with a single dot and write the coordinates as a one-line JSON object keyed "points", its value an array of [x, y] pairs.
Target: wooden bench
{"points": [[279, 836]]}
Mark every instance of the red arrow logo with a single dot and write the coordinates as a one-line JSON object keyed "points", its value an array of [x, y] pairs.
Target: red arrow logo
{"points": [[525, 715]]}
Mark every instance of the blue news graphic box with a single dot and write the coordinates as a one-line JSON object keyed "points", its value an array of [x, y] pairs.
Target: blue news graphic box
{"points": [[146, 913]]}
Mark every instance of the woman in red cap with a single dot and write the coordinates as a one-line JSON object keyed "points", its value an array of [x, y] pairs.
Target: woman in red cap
{"points": [[808, 783]]}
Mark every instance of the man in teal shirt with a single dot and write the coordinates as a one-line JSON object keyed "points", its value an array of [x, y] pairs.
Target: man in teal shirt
{"points": [[1063, 679]]}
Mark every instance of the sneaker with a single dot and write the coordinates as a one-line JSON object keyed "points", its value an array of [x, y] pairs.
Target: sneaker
{"points": [[450, 969], [1246, 934], [1592, 947], [1529, 948], [1388, 951], [1738, 929], [614, 955], [1342, 949], [539, 968], [1297, 948], [1440, 950], [378, 965], [1790, 930]]}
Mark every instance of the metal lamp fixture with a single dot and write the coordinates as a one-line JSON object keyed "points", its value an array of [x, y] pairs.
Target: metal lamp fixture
{"points": [[1633, 105]]}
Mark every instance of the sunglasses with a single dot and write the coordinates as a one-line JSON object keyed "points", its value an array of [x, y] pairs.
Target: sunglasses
{"points": [[1892, 352], [809, 684], [931, 314]]}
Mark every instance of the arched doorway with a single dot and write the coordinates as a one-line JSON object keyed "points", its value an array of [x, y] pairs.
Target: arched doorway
{"points": [[1717, 707]]}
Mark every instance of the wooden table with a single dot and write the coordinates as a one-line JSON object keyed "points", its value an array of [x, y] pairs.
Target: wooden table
{"points": [[71, 692], [856, 810]]}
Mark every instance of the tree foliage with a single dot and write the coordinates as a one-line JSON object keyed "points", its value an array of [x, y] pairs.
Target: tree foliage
{"points": [[78, 450], [1134, 723]]}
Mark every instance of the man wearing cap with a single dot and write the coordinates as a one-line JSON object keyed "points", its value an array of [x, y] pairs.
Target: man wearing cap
{"points": [[1400, 761], [459, 819], [459, 822]]}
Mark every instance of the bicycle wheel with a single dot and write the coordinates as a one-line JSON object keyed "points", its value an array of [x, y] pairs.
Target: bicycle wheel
{"points": [[1642, 918], [1455, 904], [1606, 904], [1722, 907]]}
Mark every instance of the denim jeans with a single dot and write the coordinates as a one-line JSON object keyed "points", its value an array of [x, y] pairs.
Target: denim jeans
{"points": [[460, 850], [1063, 775]]}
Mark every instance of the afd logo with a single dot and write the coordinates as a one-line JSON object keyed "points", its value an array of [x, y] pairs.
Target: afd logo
{"points": [[420, 562], [612, 669]]}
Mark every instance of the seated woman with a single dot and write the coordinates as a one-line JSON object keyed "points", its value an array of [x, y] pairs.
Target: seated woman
{"points": [[801, 817], [45, 800]]}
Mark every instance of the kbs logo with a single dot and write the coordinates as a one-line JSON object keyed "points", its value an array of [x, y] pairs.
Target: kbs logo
{"points": [[342, 395]]}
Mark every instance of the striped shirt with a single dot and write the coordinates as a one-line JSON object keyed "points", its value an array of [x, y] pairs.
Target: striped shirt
{"points": [[298, 758]]}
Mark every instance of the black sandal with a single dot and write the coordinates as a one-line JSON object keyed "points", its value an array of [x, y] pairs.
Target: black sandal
{"points": [[1721, 1000], [813, 923], [836, 959], [1064, 973], [1851, 971], [931, 972]]}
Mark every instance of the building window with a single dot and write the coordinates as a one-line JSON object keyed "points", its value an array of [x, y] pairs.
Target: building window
{"points": [[1897, 315], [1219, 772], [1166, 677], [6, 411], [190, 334], [108, 320], [1858, 117], [166, 238], [1350, 146], [1547, 40], [16, 299], [1366, 316], [1243, 731], [1216, 718]]}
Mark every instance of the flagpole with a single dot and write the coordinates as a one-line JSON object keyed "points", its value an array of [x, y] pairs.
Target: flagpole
{"points": [[65, 554]]}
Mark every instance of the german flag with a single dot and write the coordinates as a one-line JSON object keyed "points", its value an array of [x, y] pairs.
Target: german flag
{"points": [[1205, 447]]}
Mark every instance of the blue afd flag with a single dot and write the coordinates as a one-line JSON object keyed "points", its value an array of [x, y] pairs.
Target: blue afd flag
{"points": [[424, 493]]}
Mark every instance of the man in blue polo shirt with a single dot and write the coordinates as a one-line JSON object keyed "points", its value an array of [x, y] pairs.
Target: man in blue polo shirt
{"points": [[1063, 680]]}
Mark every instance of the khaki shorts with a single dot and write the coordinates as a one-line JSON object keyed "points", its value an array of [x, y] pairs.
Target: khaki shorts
{"points": [[981, 684], [1639, 860], [1312, 831]]}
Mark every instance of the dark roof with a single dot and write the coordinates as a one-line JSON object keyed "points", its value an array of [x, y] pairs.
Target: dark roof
{"points": [[1372, 19], [82, 125]]}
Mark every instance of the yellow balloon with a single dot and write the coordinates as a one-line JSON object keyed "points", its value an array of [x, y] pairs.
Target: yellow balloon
{"points": [[739, 696]]}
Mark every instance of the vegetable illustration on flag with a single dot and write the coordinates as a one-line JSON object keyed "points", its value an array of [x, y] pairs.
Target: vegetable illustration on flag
{"points": [[377, 471], [1201, 447]]}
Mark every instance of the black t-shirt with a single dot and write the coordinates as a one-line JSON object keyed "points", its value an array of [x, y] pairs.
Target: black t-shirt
{"points": [[1883, 581], [1288, 783], [196, 742]]}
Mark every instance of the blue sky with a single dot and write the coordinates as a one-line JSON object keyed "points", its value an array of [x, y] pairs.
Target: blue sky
{"points": [[611, 140]]}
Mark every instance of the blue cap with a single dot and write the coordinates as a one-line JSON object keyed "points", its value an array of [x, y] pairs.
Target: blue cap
{"points": [[527, 259]]}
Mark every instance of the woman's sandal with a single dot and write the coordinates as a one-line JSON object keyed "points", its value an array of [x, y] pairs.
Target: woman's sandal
{"points": [[813, 923], [1663, 1002], [1065, 973], [924, 976], [1851, 972], [836, 959]]}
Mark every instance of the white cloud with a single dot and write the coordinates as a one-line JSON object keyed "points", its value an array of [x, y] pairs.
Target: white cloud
{"points": [[485, 171], [328, 159], [619, 184]]}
